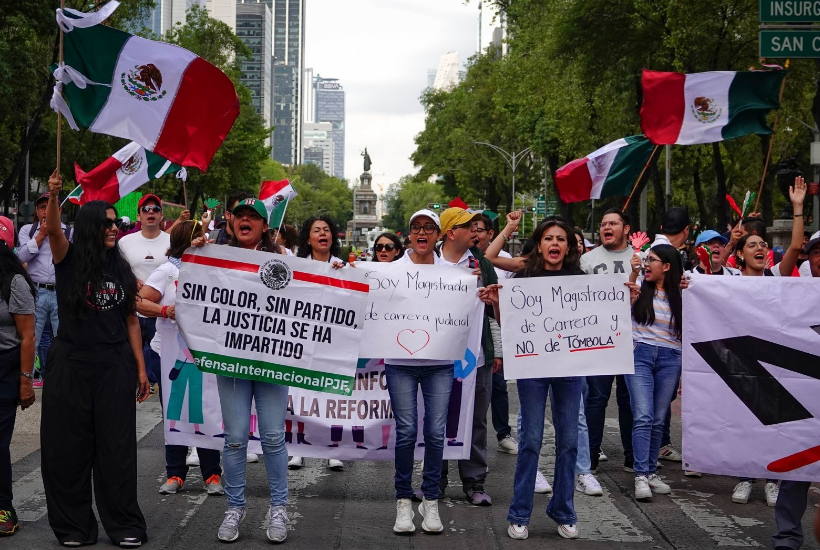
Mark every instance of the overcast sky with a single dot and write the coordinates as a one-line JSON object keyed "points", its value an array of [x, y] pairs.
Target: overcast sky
{"points": [[380, 51]]}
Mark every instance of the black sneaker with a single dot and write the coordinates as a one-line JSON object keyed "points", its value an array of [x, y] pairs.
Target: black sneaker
{"points": [[8, 522], [629, 463]]}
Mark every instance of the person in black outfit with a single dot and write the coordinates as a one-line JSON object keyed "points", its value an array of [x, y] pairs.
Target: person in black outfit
{"points": [[95, 366]]}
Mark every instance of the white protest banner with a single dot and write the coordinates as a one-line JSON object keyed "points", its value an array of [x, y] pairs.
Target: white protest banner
{"points": [[271, 317], [417, 311], [751, 377], [566, 326]]}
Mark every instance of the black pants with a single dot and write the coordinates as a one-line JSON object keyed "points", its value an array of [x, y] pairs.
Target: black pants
{"points": [[788, 513], [175, 456], [89, 424], [9, 400], [500, 403], [599, 389]]}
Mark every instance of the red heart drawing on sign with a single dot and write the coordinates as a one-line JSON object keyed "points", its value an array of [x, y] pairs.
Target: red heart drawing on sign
{"points": [[413, 340]]}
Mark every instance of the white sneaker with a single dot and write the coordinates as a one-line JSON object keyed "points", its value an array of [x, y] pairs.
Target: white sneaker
{"points": [[587, 484], [252, 458], [642, 490], [542, 486], [277, 528], [742, 492], [296, 462], [657, 485], [771, 490], [193, 458], [667, 452], [229, 530], [508, 445], [404, 516], [602, 457], [431, 520], [334, 464], [568, 531], [518, 532]]}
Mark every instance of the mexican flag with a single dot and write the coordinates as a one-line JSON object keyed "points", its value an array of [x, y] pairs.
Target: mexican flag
{"points": [[123, 172], [276, 195], [158, 95], [76, 195], [685, 109], [611, 170]]}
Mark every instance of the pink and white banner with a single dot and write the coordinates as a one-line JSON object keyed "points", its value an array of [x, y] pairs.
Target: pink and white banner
{"points": [[751, 377]]}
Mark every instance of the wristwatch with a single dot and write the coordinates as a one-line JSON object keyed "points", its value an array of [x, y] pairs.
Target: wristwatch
{"points": [[26, 374]]}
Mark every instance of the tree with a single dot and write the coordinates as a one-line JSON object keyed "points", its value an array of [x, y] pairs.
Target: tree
{"points": [[406, 197]]}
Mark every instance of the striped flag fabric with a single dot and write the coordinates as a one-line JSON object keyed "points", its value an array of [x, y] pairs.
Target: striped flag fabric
{"points": [[123, 172], [159, 95], [611, 170], [76, 195], [687, 109], [276, 195]]}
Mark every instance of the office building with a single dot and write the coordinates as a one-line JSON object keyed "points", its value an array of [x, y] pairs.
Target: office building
{"points": [[314, 155], [308, 99], [330, 107], [223, 10], [492, 28], [431, 77], [254, 28], [167, 13], [318, 134]]}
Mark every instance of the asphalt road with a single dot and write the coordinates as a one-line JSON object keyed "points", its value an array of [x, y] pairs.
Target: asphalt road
{"points": [[355, 509]]}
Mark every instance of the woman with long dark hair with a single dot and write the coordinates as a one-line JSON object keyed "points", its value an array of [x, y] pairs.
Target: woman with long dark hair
{"points": [[387, 248], [17, 306], [95, 366], [555, 254], [250, 232], [657, 326], [317, 240]]}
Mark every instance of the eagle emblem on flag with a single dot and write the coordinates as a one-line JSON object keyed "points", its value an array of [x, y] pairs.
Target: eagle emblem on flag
{"points": [[132, 165], [705, 110], [144, 82]]}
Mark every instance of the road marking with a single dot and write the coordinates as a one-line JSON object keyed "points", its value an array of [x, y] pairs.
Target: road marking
{"points": [[725, 531], [29, 495]]}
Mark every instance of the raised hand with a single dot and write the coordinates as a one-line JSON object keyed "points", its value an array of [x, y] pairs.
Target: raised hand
{"points": [[797, 193], [55, 183]]}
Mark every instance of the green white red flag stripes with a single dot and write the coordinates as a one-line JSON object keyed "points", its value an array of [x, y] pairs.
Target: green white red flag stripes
{"points": [[611, 170], [276, 195], [686, 109], [158, 95], [123, 172], [76, 195]]}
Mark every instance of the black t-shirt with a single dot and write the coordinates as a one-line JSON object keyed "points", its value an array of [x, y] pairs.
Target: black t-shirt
{"points": [[546, 273], [105, 324]]}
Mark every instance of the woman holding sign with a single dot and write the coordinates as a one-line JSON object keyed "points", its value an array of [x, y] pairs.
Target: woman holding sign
{"points": [[555, 254], [250, 231]]}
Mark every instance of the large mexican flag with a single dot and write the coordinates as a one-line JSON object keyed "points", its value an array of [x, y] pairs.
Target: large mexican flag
{"points": [[158, 95], [611, 170], [686, 109]]}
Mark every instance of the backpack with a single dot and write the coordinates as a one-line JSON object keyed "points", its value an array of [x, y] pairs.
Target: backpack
{"points": [[68, 231]]}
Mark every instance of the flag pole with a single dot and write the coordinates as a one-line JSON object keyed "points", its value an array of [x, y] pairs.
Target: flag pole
{"points": [[771, 143], [185, 194], [59, 114], [282, 221], [637, 181]]}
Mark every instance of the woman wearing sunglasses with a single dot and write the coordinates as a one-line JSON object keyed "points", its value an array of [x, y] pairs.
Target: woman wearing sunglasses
{"points": [[388, 248], [89, 419]]}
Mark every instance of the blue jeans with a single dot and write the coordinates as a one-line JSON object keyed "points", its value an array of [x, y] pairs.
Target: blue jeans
{"points": [[583, 465], [45, 311], [403, 382], [235, 396], [153, 367], [566, 400], [651, 389]]}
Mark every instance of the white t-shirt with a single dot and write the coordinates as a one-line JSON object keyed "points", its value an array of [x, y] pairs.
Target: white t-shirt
{"points": [[164, 280], [500, 273], [804, 269], [145, 255], [600, 261], [726, 271]]}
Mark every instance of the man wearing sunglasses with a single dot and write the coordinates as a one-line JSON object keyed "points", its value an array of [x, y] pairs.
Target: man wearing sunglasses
{"points": [[145, 251]]}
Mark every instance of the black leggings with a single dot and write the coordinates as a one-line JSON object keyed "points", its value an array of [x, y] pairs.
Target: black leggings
{"points": [[89, 424]]}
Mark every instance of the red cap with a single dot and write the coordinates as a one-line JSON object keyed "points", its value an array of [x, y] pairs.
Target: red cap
{"points": [[43, 197], [7, 231], [146, 198]]}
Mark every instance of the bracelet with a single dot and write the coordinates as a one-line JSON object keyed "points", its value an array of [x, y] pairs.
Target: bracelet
{"points": [[27, 375], [506, 238], [164, 312], [797, 216]]}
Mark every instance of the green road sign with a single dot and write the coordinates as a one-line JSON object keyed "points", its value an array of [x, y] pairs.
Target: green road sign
{"points": [[784, 44], [789, 11]]}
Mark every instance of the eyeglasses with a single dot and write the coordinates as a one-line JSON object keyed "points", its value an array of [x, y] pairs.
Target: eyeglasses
{"points": [[481, 230], [472, 226], [756, 245], [109, 223], [381, 247], [648, 260], [151, 209], [428, 227], [604, 225]]}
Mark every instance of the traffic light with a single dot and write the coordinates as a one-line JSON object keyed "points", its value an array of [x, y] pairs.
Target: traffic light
{"points": [[434, 205], [530, 209]]}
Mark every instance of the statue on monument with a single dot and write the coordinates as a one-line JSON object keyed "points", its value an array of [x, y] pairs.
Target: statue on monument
{"points": [[367, 161]]}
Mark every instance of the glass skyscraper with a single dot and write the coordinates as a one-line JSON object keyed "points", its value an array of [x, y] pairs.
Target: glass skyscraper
{"points": [[330, 107], [254, 28]]}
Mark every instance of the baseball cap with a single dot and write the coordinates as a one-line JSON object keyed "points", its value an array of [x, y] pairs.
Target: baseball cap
{"points": [[148, 197], [675, 220], [257, 205], [41, 198], [220, 221], [710, 235], [813, 241], [456, 216], [429, 213], [7, 232]]}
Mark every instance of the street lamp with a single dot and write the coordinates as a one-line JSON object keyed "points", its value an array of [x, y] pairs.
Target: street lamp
{"points": [[815, 161], [512, 160]]}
